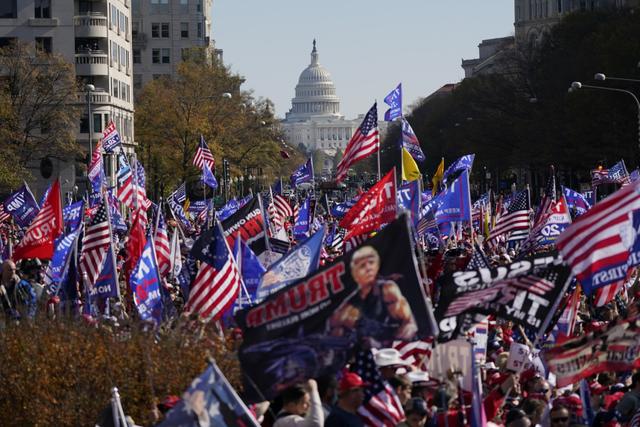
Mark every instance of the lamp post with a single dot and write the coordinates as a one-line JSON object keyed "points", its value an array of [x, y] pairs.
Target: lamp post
{"points": [[89, 88], [578, 85], [241, 185], [602, 77]]}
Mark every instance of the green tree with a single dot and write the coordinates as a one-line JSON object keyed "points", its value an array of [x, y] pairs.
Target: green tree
{"points": [[39, 110]]}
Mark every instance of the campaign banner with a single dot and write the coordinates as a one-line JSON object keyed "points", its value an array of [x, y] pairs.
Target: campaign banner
{"points": [[73, 215], [59, 264], [249, 223], [302, 224], [558, 221], [374, 209], [523, 292], [145, 285], [339, 210], [409, 199], [106, 285], [307, 328], [297, 264], [22, 206], [614, 349]]}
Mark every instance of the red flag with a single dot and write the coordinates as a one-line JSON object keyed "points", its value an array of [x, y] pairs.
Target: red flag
{"points": [[46, 226], [375, 208], [137, 240]]}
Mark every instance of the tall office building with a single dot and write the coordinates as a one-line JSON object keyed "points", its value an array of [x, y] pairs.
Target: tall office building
{"points": [[165, 32], [95, 36]]}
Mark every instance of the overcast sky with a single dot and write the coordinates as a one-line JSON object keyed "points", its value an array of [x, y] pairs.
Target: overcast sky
{"points": [[368, 46]]}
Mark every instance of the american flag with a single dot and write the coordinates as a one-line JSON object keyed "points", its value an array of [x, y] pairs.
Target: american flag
{"points": [[364, 142], [95, 244], [142, 186], [131, 188], [607, 293], [180, 195], [478, 259], [161, 243], [516, 219], [616, 174], [283, 209], [218, 281], [4, 215], [110, 137], [547, 200], [354, 241], [203, 155], [593, 243], [381, 405], [417, 353]]}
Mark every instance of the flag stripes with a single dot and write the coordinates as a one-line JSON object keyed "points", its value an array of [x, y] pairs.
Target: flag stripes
{"points": [[162, 246], [417, 353], [203, 155], [364, 142], [95, 243]]}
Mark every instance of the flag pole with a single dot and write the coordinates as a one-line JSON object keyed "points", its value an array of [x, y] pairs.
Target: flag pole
{"points": [[113, 254]]}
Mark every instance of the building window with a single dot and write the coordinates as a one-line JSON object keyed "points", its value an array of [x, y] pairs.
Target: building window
{"points": [[165, 30], [43, 44], [155, 56], [137, 57], [97, 122], [137, 81], [159, 1], [114, 87], [155, 30], [166, 56], [199, 30], [184, 2], [114, 17], [184, 30], [42, 9], [8, 9]]}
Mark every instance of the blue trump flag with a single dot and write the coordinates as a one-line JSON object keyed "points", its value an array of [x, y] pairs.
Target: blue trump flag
{"points": [[298, 263], [463, 163], [301, 227], [106, 285], [210, 401], [339, 210], [57, 268], [394, 101], [409, 199], [410, 141], [145, 285], [208, 178], [576, 201], [251, 271], [178, 212], [73, 215], [22, 206], [304, 173], [454, 203], [227, 210]]}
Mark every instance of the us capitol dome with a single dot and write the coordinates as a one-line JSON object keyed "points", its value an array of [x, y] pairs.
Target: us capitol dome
{"points": [[314, 121]]}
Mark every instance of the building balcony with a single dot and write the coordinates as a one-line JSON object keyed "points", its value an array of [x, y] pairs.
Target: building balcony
{"points": [[92, 63], [90, 25], [98, 97]]}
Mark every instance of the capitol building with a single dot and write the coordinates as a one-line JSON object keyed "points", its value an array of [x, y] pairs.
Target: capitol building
{"points": [[314, 121]]}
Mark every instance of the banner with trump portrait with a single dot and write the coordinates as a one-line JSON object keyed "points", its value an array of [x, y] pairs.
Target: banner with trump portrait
{"points": [[308, 328]]}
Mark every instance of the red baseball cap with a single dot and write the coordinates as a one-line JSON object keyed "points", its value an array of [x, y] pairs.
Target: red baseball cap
{"points": [[351, 380]]}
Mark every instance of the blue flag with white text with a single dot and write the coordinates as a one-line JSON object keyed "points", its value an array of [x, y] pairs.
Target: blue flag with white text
{"points": [[394, 101], [454, 203], [577, 201], [227, 210], [106, 285], [410, 142], [57, 268], [251, 270], [301, 227], [463, 163], [304, 173], [22, 206], [145, 285], [73, 215], [300, 262], [409, 199]]}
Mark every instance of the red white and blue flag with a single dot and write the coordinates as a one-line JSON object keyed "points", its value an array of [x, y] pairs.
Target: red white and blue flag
{"points": [[381, 405], [110, 138], [218, 282], [95, 244], [364, 142], [203, 155], [162, 245], [616, 174], [598, 246]]}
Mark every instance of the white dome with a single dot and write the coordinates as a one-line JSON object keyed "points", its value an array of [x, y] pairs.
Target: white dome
{"points": [[315, 93]]}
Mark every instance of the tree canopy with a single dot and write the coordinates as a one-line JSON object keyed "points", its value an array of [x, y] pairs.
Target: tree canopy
{"points": [[525, 119]]}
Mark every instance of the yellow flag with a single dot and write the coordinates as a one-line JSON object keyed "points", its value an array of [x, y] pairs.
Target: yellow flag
{"points": [[186, 205], [410, 171], [437, 177]]}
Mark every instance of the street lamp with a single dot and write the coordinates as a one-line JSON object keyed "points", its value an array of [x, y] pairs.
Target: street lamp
{"points": [[602, 77], [577, 85], [89, 88]]}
